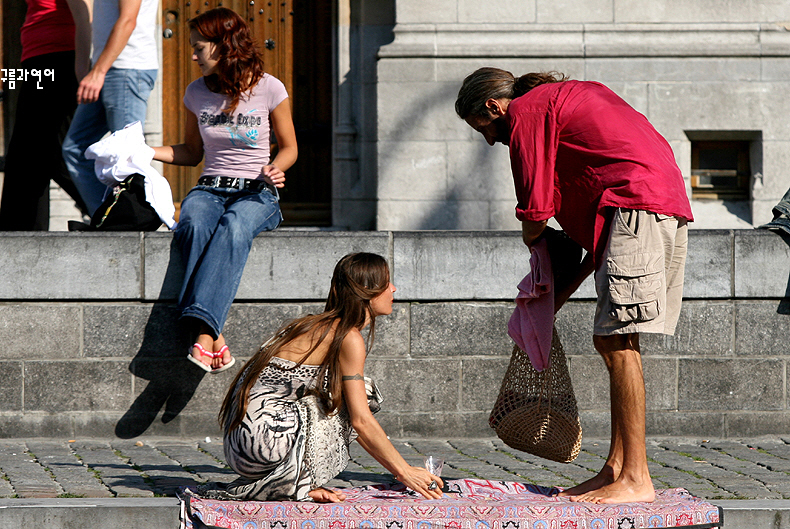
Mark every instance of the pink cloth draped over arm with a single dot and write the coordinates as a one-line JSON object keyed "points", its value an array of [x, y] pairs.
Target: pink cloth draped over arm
{"points": [[531, 324]]}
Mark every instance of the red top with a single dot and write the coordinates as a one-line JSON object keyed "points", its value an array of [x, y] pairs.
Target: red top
{"points": [[48, 28], [576, 147]]}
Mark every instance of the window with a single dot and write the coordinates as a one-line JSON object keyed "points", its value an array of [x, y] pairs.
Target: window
{"points": [[720, 169]]}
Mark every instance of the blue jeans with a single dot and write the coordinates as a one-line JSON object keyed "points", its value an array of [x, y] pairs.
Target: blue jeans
{"points": [[122, 101], [215, 232]]}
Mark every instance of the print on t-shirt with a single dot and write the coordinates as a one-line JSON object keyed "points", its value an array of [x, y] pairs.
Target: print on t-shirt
{"points": [[239, 138]]}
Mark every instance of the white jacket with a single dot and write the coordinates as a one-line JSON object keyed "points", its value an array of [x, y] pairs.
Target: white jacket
{"points": [[125, 153]]}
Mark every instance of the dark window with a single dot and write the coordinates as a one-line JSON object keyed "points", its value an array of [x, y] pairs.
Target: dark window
{"points": [[720, 170]]}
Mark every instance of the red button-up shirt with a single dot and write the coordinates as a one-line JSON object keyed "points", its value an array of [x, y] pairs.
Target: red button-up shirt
{"points": [[576, 148]]}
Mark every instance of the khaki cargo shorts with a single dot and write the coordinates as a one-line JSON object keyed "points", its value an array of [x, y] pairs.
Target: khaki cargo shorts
{"points": [[640, 280]]}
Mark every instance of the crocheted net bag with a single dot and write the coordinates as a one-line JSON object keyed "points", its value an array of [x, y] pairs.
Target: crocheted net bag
{"points": [[536, 412]]}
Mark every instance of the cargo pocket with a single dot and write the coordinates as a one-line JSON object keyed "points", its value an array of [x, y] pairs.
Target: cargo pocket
{"points": [[635, 282]]}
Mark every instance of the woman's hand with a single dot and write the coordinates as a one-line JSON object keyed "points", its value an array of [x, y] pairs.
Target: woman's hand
{"points": [[273, 175], [419, 480]]}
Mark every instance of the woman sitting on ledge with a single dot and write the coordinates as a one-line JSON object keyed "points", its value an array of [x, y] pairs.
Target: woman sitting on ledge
{"points": [[293, 409], [229, 112]]}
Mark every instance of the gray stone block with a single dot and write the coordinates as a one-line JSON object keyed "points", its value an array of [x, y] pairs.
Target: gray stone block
{"points": [[460, 329], [249, 325], [393, 335], [469, 424], [709, 268], [417, 385], [762, 328], [698, 424], [715, 384], [661, 40], [401, 163], [407, 70], [401, 215], [54, 265], [595, 424], [415, 12], [677, 11], [164, 270], [32, 331], [679, 107], [277, 266], [506, 12], [105, 425], [757, 423], [417, 112], [775, 69], [590, 383], [704, 328], [762, 264], [574, 324], [566, 11], [148, 330], [11, 386], [661, 384], [37, 424], [459, 265], [97, 513], [480, 382], [464, 182], [678, 69], [290, 264], [201, 426], [59, 386]]}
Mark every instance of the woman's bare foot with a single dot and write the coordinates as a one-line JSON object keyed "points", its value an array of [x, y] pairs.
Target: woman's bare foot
{"points": [[220, 347], [206, 341], [324, 495]]}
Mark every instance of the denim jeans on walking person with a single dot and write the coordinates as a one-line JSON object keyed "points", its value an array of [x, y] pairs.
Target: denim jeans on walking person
{"points": [[215, 232], [122, 100]]}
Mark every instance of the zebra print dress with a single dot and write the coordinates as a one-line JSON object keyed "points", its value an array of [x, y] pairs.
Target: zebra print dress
{"points": [[286, 445]]}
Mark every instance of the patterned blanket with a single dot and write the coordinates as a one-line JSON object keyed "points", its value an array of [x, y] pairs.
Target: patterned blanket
{"points": [[470, 504]]}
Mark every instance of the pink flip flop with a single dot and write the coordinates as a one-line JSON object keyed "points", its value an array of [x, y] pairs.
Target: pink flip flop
{"points": [[220, 354], [203, 352]]}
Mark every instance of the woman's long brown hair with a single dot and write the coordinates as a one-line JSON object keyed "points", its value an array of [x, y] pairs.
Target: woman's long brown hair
{"points": [[358, 278], [240, 64]]}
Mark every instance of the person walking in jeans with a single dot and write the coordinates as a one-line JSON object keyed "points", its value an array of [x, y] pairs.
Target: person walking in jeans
{"points": [[230, 111], [115, 91]]}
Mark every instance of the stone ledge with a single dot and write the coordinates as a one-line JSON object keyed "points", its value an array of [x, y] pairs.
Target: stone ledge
{"points": [[587, 40], [297, 265]]}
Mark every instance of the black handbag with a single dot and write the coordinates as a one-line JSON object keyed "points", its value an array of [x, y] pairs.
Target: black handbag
{"points": [[126, 209]]}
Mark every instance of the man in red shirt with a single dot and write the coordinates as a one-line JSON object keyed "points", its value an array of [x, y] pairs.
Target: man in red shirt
{"points": [[582, 155]]}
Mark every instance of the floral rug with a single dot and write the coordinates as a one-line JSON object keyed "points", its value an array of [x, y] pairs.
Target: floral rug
{"points": [[469, 504]]}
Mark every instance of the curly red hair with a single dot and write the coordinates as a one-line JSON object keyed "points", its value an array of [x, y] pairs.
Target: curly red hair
{"points": [[240, 64]]}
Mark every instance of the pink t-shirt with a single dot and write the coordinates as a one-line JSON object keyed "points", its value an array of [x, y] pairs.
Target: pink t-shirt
{"points": [[235, 145], [48, 28], [576, 148]]}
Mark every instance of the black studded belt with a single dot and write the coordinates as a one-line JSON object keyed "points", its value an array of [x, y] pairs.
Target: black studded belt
{"points": [[236, 183]]}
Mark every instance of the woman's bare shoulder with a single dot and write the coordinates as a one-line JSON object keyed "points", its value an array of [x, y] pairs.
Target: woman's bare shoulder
{"points": [[354, 342]]}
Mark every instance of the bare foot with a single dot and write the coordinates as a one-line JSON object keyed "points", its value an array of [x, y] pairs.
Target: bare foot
{"points": [[323, 495], [207, 343], [621, 491], [219, 346], [606, 476]]}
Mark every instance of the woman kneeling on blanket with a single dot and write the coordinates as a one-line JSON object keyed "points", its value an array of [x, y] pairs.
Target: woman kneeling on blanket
{"points": [[293, 409]]}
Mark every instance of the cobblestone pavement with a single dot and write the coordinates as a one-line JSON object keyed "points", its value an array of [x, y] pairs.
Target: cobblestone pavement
{"points": [[711, 469]]}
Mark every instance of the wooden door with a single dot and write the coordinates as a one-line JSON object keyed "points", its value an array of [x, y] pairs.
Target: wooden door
{"points": [[306, 197]]}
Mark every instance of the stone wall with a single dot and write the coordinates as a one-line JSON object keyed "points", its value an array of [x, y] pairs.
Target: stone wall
{"points": [[91, 345], [699, 70]]}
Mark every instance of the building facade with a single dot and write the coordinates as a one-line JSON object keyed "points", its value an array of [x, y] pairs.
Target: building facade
{"points": [[712, 76]]}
